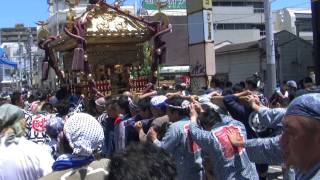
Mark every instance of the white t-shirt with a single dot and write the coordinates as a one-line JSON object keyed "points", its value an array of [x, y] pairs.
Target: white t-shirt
{"points": [[24, 161]]}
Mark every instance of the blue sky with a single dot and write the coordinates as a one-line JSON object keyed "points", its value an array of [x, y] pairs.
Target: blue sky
{"points": [[31, 11]]}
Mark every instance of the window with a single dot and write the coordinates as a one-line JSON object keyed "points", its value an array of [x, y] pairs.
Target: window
{"points": [[258, 7], [262, 33], [304, 24], [261, 27], [219, 26], [216, 4], [258, 10], [240, 26], [225, 3], [228, 26], [258, 4], [237, 3], [7, 72]]}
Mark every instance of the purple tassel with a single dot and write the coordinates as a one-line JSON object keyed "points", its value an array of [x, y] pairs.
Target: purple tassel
{"points": [[45, 70], [78, 59], [86, 67]]}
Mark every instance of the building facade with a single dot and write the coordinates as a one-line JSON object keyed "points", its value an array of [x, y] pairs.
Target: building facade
{"points": [[236, 62], [238, 21], [7, 69], [20, 45], [298, 21]]}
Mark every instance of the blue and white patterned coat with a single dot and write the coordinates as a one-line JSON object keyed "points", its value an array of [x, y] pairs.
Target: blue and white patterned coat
{"points": [[272, 118], [187, 155], [229, 162]]}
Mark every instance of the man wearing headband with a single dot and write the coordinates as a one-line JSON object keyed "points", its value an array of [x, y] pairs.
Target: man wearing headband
{"points": [[124, 103], [228, 162], [158, 109], [100, 105], [108, 126], [19, 157], [144, 114], [80, 141], [177, 141], [300, 140]]}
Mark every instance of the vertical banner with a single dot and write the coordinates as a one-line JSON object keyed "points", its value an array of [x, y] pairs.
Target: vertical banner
{"points": [[208, 25]]}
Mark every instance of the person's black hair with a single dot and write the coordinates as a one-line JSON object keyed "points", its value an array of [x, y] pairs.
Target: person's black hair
{"points": [[227, 91], [47, 107], [307, 80], [144, 104], [62, 93], [123, 103], [143, 162], [165, 88], [15, 98], [108, 100], [113, 104], [229, 84], [252, 81], [179, 87], [42, 96], [242, 84], [237, 88], [209, 118], [32, 98], [205, 107], [94, 1], [217, 82], [177, 101], [63, 108]]}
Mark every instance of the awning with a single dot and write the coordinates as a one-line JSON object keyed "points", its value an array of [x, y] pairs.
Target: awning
{"points": [[174, 69], [9, 63]]}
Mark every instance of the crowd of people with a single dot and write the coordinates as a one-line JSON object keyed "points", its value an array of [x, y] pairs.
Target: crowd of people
{"points": [[223, 132]]}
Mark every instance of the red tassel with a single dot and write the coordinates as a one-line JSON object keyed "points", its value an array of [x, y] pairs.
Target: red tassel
{"points": [[78, 59]]}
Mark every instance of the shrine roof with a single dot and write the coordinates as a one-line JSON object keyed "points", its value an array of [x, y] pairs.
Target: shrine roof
{"points": [[105, 24]]}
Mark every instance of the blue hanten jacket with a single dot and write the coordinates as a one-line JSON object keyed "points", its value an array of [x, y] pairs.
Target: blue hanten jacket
{"points": [[229, 162], [268, 150], [186, 154], [272, 118], [239, 112], [131, 135], [108, 128], [265, 150]]}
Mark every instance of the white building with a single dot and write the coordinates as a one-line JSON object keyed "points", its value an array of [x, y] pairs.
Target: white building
{"points": [[298, 21], [238, 21]]}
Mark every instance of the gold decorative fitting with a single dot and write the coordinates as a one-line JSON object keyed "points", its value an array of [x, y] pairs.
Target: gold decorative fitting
{"points": [[163, 19], [112, 22], [104, 25]]}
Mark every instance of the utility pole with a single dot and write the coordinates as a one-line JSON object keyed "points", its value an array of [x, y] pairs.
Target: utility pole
{"points": [[20, 66], [271, 82], [29, 51], [315, 6]]}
